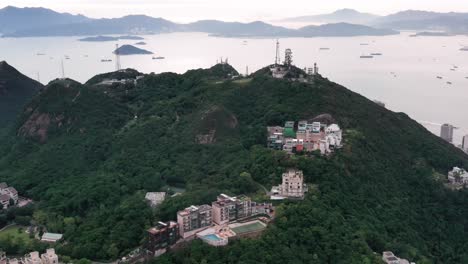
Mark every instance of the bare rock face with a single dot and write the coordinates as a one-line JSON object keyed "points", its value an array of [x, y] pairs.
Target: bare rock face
{"points": [[36, 126], [215, 123]]}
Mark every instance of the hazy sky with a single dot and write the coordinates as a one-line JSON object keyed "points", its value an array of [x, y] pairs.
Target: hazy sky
{"points": [[241, 10]]}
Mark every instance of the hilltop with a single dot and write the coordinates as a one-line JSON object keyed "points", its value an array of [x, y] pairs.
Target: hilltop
{"points": [[16, 90], [110, 140], [339, 16]]}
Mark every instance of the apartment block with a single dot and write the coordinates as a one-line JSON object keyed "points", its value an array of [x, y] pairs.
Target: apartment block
{"points": [[194, 219], [227, 208], [162, 236]]}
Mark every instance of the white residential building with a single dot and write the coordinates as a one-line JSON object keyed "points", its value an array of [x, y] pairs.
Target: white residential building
{"points": [[390, 258], [292, 186], [10, 191], [458, 176], [155, 198]]}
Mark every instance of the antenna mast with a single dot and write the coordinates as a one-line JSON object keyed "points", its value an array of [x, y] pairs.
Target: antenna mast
{"points": [[277, 58], [63, 69], [117, 58]]}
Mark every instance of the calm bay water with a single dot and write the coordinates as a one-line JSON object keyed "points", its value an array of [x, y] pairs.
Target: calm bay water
{"points": [[404, 77]]}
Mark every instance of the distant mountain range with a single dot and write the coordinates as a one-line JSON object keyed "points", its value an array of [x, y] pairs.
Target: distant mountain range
{"points": [[68, 25], [423, 20], [454, 23], [34, 22], [339, 16], [14, 19], [15, 90]]}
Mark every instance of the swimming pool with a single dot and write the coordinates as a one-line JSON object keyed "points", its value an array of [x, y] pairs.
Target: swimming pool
{"points": [[212, 237]]}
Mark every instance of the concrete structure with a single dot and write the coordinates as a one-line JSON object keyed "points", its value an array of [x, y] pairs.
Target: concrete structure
{"points": [[389, 258], [465, 143], [32, 258], [292, 186], [4, 201], [10, 191], [227, 209], [51, 237], [194, 219], [458, 176], [49, 257], [155, 198], [446, 132], [161, 237]]}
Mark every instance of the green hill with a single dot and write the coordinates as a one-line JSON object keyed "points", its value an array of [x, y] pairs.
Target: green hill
{"points": [[100, 148], [15, 91]]}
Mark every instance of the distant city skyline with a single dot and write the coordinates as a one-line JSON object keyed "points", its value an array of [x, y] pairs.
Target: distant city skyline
{"points": [[240, 10]]}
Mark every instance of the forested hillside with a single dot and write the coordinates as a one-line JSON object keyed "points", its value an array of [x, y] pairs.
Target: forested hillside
{"points": [[88, 152], [15, 91]]}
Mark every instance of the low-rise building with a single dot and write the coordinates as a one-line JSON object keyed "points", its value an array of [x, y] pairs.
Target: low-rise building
{"points": [[51, 237], [389, 258], [458, 176], [32, 258], [49, 257], [155, 198], [308, 137], [194, 219], [292, 186], [4, 201], [10, 191], [161, 237]]}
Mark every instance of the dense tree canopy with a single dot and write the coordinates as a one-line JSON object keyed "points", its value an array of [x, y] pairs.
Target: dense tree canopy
{"points": [[106, 146]]}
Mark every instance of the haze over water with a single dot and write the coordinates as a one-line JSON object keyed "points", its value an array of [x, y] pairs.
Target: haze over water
{"points": [[404, 77]]}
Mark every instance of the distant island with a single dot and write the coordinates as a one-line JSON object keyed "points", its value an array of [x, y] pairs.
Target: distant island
{"points": [[432, 34], [109, 38], [131, 50]]}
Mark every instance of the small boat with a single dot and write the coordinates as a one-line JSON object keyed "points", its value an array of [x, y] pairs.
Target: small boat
{"points": [[449, 83], [158, 58], [376, 54], [439, 77], [106, 60], [324, 49], [366, 57], [452, 69], [40, 54], [364, 44], [466, 77], [455, 67]]}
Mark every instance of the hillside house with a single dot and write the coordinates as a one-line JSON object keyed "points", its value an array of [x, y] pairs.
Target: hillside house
{"points": [[458, 176], [292, 186], [155, 198], [307, 137], [389, 258], [6, 194]]}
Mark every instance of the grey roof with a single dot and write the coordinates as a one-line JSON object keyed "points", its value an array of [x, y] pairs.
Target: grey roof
{"points": [[3, 185], [4, 197]]}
